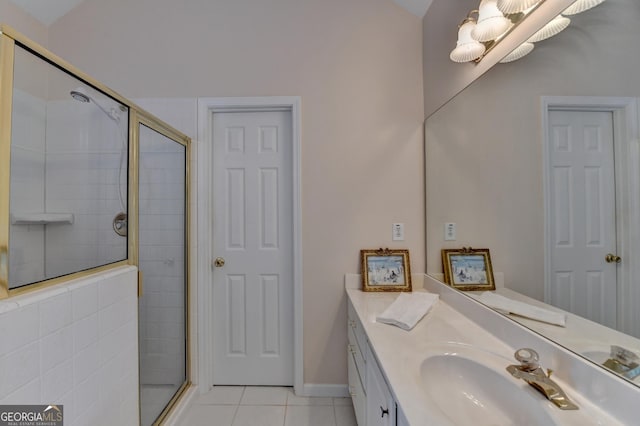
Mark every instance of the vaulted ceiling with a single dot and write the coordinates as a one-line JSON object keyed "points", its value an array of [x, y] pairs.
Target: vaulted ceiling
{"points": [[48, 11], [416, 7]]}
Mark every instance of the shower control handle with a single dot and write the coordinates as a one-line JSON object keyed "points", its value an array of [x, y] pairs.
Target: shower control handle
{"points": [[219, 262]]}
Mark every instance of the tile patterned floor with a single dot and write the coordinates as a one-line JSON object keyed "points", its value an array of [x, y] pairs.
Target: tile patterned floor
{"points": [[267, 406]]}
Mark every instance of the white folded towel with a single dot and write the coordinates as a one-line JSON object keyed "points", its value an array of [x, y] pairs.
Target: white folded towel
{"points": [[408, 309], [507, 305]]}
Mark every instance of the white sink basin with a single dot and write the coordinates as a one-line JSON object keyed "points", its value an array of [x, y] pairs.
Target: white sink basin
{"points": [[471, 386]]}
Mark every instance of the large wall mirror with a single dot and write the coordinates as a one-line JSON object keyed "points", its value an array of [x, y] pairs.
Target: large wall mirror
{"points": [[539, 161]]}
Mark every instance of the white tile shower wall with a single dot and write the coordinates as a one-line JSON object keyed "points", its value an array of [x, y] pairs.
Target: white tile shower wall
{"points": [[84, 168], [161, 258], [74, 344], [26, 260]]}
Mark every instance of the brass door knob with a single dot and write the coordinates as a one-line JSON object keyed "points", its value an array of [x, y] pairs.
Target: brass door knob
{"points": [[612, 258], [219, 262]]}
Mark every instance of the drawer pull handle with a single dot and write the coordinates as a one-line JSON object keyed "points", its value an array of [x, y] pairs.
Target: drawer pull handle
{"points": [[383, 412]]}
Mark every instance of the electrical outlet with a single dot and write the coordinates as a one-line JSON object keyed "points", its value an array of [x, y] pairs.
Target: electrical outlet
{"points": [[397, 233], [449, 231]]}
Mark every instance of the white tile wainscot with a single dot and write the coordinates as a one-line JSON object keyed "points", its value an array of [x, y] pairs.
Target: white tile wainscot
{"points": [[457, 318], [74, 344]]}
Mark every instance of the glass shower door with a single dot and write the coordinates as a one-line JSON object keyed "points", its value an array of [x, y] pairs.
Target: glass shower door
{"points": [[162, 260]]}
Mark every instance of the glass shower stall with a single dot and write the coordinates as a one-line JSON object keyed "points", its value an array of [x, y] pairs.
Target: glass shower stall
{"points": [[89, 181]]}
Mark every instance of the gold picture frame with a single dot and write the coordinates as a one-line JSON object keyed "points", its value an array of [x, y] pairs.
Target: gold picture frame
{"points": [[385, 270], [468, 269]]}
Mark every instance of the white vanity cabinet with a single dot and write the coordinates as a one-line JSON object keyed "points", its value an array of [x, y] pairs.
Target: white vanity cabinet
{"points": [[356, 351], [373, 402], [381, 408]]}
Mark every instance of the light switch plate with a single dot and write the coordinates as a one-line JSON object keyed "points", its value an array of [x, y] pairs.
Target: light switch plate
{"points": [[397, 233], [449, 231]]}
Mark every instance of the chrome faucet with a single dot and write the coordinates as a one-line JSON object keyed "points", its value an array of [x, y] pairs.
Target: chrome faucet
{"points": [[530, 371]]}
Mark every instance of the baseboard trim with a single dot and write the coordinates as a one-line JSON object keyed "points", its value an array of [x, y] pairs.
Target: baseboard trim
{"points": [[325, 390], [180, 411]]}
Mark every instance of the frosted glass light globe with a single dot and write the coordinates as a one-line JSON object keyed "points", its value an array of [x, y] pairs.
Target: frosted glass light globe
{"points": [[467, 49], [523, 50], [556, 25], [515, 6], [580, 6], [491, 22]]}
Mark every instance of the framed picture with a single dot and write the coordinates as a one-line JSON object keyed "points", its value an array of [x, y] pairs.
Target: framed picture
{"points": [[385, 270], [468, 269]]}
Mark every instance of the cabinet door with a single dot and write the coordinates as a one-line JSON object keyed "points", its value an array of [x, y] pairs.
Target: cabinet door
{"points": [[356, 391], [401, 419], [381, 408]]}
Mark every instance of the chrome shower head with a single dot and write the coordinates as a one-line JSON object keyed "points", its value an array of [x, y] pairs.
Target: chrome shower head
{"points": [[78, 95]]}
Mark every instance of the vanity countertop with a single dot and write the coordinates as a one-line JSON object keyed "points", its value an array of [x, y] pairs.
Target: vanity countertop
{"points": [[400, 354]]}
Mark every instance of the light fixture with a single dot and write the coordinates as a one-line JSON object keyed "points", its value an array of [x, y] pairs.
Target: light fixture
{"points": [[496, 19], [515, 6], [523, 50], [556, 25], [491, 22], [580, 6], [467, 49]]}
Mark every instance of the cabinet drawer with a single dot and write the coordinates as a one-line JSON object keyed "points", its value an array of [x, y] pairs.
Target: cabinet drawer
{"points": [[356, 391]]}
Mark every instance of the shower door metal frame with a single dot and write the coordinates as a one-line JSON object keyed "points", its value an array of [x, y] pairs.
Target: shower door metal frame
{"points": [[9, 38], [6, 96], [138, 118]]}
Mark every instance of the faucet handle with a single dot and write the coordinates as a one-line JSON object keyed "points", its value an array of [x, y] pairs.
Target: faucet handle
{"points": [[624, 356], [528, 358]]}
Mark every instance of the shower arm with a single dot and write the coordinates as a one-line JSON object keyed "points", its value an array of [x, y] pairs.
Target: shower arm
{"points": [[111, 114]]}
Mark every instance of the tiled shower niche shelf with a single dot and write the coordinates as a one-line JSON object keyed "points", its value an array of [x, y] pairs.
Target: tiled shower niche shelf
{"points": [[41, 218]]}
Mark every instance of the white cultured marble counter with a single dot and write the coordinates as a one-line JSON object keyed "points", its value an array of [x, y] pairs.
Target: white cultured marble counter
{"points": [[400, 354]]}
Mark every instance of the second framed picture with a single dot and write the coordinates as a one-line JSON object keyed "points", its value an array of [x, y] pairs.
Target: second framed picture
{"points": [[385, 270], [468, 269]]}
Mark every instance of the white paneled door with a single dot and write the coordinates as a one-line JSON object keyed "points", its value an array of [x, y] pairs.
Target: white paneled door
{"points": [[582, 206], [252, 248]]}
